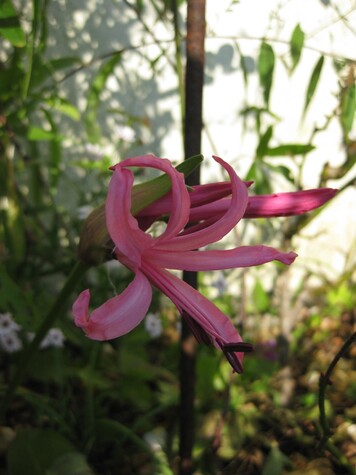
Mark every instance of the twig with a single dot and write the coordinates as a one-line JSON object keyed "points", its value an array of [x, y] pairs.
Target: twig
{"points": [[324, 381]]}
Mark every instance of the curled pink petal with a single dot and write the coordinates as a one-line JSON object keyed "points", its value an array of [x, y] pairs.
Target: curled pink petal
{"points": [[123, 228], [217, 230], [244, 256], [179, 211], [116, 316]]}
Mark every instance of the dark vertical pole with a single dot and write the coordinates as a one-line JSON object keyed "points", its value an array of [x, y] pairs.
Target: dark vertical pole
{"points": [[194, 80]]}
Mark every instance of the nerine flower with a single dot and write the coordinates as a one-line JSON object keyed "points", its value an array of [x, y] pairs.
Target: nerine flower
{"points": [[176, 248]]}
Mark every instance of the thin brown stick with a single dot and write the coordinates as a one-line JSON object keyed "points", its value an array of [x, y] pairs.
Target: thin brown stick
{"points": [[194, 80]]}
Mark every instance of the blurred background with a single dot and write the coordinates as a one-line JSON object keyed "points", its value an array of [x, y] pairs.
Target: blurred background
{"points": [[86, 84]]}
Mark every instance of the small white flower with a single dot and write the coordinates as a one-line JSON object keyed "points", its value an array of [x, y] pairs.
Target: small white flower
{"points": [[7, 324], [54, 338], [153, 325], [10, 342]]}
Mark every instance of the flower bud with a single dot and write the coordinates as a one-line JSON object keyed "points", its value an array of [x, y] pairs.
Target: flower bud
{"points": [[95, 244]]}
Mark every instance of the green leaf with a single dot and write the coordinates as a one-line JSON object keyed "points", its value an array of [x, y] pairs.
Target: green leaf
{"points": [[97, 86], [36, 133], [290, 149], [258, 173], [65, 62], [34, 451], [348, 106], [72, 463], [313, 82], [262, 147], [10, 27], [109, 429], [282, 170], [296, 45], [260, 298], [64, 106], [275, 462], [245, 67], [265, 65], [44, 70]]}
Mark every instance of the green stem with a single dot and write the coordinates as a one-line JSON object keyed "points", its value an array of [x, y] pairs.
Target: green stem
{"points": [[57, 309], [340, 457]]}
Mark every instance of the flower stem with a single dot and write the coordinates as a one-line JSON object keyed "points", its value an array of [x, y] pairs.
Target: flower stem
{"points": [[55, 311]]}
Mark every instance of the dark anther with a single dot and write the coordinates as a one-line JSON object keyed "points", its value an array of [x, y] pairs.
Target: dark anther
{"points": [[230, 349], [241, 347]]}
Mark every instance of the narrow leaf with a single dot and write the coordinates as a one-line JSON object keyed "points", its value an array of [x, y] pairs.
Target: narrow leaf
{"points": [[266, 60], [258, 173], [348, 106], [296, 45], [282, 170], [36, 133], [10, 27], [65, 107], [290, 149], [262, 147], [65, 62], [313, 82]]}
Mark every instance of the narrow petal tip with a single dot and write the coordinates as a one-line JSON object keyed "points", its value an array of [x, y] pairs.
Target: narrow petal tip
{"points": [[234, 353], [289, 257]]}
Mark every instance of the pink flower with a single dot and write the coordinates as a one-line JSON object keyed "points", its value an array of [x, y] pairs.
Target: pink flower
{"points": [[176, 248]]}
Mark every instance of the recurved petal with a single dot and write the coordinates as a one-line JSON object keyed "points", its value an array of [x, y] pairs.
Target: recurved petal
{"points": [[244, 256], [205, 313], [180, 201], [220, 228], [123, 228], [118, 315]]}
